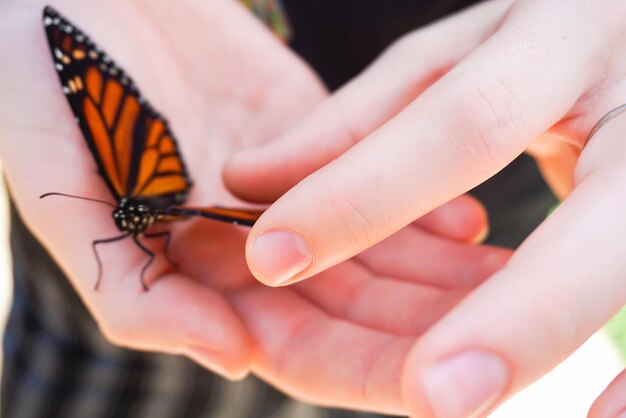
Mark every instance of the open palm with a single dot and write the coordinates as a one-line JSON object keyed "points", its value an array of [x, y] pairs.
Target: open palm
{"points": [[224, 83]]}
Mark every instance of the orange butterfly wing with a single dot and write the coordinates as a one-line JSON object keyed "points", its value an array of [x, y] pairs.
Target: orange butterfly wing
{"points": [[134, 148], [237, 216]]}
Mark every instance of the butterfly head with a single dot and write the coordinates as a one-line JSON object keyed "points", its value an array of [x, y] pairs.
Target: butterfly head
{"points": [[134, 217]]}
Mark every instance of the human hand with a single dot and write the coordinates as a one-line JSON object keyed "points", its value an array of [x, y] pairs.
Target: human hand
{"points": [[219, 97], [211, 89], [442, 110]]}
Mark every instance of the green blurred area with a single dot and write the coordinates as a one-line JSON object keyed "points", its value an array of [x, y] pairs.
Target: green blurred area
{"points": [[616, 328], [271, 12]]}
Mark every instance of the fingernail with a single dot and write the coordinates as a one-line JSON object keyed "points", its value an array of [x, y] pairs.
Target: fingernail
{"points": [[465, 384], [277, 256]]}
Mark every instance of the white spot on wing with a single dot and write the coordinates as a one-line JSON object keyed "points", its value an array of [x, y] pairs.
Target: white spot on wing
{"points": [[68, 28], [56, 21], [47, 20], [59, 66], [66, 90], [58, 53], [80, 37]]}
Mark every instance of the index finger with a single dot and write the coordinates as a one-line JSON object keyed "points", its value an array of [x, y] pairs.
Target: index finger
{"points": [[459, 132]]}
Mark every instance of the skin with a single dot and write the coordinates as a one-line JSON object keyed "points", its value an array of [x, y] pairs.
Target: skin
{"points": [[338, 340], [442, 110]]}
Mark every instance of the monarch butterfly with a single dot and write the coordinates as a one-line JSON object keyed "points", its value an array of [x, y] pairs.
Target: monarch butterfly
{"points": [[135, 151]]}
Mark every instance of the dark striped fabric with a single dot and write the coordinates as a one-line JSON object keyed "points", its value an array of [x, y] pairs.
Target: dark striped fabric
{"points": [[57, 364]]}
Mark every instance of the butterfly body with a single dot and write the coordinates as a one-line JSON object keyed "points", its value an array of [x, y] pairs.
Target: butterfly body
{"points": [[132, 144], [134, 217]]}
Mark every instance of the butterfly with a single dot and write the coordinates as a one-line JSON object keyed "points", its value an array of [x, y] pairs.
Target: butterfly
{"points": [[133, 146]]}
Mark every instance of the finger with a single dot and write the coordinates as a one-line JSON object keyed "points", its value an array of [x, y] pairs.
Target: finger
{"points": [[318, 359], [404, 71], [611, 403], [378, 303], [470, 124], [562, 284], [280, 83], [556, 159], [463, 219], [404, 284], [419, 257], [176, 316]]}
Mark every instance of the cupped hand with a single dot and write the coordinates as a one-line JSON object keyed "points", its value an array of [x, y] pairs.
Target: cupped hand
{"points": [[445, 108], [225, 83]]}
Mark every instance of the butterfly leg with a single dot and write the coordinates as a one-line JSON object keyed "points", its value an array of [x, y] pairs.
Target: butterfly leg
{"points": [[166, 245], [94, 244], [145, 267]]}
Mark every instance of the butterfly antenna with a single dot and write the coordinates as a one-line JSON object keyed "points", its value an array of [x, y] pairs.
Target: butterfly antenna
{"points": [[77, 197]]}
